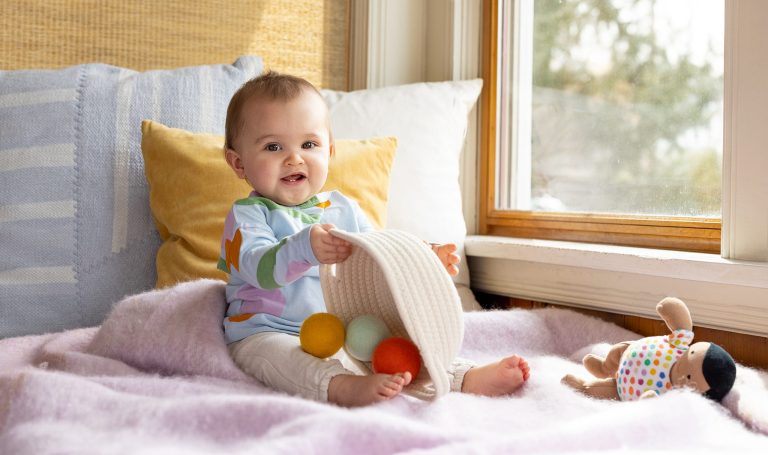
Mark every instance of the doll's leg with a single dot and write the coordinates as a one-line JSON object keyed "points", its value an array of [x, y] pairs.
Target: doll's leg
{"points": [[604, 389], [608, 366]]}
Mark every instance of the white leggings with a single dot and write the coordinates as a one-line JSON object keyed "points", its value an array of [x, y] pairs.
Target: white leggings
{"points": [[277, 360]]}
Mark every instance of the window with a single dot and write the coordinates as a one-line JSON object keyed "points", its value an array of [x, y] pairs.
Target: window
{"points": [[608, 121], [728, 291]]}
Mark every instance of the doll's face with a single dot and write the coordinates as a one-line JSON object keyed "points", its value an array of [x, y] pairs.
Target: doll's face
{"points": [[687, 371]]}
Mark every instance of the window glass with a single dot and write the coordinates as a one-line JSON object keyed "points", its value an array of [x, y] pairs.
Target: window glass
{"points": [[611, 106]]}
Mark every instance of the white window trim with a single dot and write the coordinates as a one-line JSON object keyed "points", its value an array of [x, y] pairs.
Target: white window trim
{"points": [[745, 150], [721, 293]]}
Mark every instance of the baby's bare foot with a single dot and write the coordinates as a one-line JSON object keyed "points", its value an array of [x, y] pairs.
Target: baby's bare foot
{"points": [[350, 390], [495, 379]]}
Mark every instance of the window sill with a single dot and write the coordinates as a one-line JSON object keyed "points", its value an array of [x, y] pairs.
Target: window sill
{"points": [[722, 294]]}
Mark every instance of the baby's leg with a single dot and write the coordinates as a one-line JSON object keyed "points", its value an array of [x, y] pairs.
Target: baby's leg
{"points": [[277, 360], [352, 390], [498, 378], [607, 367], [598, 388]]}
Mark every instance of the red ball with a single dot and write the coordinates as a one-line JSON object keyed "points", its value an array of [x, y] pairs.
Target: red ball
{"points": [[396, 355]]}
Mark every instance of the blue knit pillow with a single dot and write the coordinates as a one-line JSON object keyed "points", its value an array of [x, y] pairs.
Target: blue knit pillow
{"points": [[76, 232]]}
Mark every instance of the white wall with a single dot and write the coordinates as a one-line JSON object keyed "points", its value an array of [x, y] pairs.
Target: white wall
{"points": [[405, 41]]}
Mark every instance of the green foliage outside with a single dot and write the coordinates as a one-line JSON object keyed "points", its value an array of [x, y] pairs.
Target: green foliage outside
{"points": [[611, 141]]}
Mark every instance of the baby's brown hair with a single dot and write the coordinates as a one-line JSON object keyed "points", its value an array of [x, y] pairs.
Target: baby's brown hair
{"points": [[271, 86]]}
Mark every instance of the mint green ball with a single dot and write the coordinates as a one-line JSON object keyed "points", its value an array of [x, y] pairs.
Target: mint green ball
{"points": [[364, 333]]}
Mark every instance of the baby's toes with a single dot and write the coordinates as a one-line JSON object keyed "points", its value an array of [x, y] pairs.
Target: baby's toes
{"points": [[512, 361], [389, 392], [397, 381], [391, 388]]}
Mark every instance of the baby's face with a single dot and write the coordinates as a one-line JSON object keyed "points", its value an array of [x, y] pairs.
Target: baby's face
{"points": [[283, 148]]}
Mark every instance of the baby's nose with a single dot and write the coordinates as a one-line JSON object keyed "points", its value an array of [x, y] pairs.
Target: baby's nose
{"points": [[294, 158]]}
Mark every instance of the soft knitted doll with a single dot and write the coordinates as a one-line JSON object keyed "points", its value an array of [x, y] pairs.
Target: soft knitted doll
{"points": [[651, 366]]}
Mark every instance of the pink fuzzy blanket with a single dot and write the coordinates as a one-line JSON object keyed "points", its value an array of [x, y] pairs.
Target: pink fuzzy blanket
{"points": [[156, 378]]}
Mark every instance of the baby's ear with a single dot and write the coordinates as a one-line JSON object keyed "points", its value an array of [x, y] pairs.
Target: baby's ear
{"points": [[235, 162]]}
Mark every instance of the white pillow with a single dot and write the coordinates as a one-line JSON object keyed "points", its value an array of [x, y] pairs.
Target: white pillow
{"points": [[430, 122]]}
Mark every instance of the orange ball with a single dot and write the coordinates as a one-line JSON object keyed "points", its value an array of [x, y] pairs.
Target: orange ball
{"points": [[321, 335], [396, 355]]}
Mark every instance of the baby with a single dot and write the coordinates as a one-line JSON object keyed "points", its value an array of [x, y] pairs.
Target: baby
{"points": [[278, 139]]}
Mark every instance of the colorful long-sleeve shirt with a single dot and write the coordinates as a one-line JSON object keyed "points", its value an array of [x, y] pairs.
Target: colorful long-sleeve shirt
{"points": [[274, 281], [646, 364]]}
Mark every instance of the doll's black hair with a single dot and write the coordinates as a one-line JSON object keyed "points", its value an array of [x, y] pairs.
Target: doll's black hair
{"points": [[719, 370]]}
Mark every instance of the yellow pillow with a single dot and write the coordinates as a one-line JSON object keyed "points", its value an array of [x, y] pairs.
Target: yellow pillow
{"points": [[191, 189]]}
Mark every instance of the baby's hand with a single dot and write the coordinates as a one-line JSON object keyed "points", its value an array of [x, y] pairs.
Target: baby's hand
{"points": [[328, 249], [447, 255]]}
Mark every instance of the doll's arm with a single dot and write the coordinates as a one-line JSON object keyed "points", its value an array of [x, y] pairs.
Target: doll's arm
{"points": [[675, 313]]}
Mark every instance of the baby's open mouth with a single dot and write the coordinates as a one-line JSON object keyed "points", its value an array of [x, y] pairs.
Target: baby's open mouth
{"points": [[294, 178]]}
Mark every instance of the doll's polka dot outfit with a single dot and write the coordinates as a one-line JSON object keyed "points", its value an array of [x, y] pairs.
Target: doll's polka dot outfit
{"points": [[646, 363]]}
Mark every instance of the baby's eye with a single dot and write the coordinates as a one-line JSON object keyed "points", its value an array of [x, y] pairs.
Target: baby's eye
{"points": [[689, 376], [273, 147], [309, 145]]}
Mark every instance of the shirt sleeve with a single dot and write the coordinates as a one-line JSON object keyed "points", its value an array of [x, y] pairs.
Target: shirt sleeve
{"points": [[681, 338], [254, 255], [361, 218]]}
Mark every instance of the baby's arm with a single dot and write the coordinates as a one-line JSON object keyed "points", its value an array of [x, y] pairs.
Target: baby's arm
{"points": [[447, 255], [253, 254]]}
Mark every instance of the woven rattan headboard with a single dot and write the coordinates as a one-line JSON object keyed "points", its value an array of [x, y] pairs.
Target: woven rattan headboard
{"points": [[308, 38]]}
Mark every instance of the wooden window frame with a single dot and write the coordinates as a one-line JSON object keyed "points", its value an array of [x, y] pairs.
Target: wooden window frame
{"points": [[687, 234]]}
